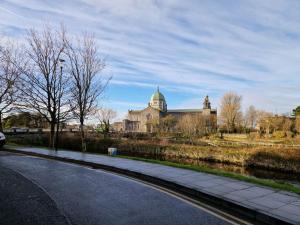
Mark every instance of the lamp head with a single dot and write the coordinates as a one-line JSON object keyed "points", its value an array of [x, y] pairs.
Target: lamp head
{"points": [[61, 62]]}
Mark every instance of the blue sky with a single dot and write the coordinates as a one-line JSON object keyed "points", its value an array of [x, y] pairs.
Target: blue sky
{"points": [[189, 48]]}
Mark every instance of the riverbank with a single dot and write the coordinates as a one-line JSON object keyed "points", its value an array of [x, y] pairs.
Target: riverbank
{"points": [[273, 158], [281, 185]]}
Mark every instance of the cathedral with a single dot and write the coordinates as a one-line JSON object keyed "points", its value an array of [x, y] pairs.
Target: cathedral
{"points": [[140, 120]]}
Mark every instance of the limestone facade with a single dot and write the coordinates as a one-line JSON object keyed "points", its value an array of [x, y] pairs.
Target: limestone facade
{"points": [[141, 120]]}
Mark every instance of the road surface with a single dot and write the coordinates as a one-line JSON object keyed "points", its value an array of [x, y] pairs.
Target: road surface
{"points": [[40, 191]]}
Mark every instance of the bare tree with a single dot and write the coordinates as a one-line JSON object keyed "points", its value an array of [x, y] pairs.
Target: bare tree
{"points": [[87, 83], [163, 125], [11, 64], [265, 121], [297, 124], [277, 122], [186, 125], [231, 110], [251, 117], [44, 87], [193, 126], [287, 125], [104, 117], [209, 123]]}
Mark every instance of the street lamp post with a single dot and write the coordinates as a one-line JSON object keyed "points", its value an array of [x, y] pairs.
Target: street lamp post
{"points": [[61, 61]]}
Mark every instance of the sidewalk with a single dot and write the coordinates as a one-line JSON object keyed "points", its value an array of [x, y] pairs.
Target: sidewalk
{"points": [[260, 203]]}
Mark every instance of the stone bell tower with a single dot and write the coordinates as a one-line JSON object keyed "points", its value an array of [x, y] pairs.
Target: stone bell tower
{"points": [[206, 106]]}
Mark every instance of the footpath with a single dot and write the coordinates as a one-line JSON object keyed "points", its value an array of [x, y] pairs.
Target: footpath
{"points": [[254, 202]]}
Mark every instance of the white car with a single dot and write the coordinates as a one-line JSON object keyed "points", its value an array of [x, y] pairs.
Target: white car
{"points": [[2, 140]]}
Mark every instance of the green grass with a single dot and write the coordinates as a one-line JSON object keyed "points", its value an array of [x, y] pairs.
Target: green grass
{"points": [[264, 182]]}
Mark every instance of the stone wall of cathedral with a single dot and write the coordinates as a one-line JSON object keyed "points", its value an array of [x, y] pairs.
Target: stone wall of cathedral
{"points": [[142, 120]]}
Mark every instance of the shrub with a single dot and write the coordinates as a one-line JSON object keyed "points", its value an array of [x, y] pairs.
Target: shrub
{"points": [[280, 158], [29, 139], [253, 135], [278, 134], [289, 134]]}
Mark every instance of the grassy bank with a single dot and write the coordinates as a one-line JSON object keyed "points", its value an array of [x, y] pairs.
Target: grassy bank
{"points": [[271, 158], [277, 158], [264, 182]]}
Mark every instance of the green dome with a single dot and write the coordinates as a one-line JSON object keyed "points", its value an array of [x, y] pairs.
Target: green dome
{"points": [[158, 101], [157, 96]]}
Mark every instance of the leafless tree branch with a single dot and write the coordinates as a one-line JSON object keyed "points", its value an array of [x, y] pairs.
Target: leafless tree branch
{"points": [[88, 85]]}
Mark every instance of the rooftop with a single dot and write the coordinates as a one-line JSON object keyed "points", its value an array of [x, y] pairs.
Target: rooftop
{"points": [[157, 96], [186, 110]]}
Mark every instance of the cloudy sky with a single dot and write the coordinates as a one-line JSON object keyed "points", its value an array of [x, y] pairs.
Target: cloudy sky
{"points": [[189, 48]]}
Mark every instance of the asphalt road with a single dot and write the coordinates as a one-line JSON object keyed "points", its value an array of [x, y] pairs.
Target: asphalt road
{"points": [[41, 191]]}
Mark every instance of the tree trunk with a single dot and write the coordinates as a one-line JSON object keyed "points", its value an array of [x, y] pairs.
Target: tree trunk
{"points": [[52, 134], [83, 143], [268, 131], [1, 125]]}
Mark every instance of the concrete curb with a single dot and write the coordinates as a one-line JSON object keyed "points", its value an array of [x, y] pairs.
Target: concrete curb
{"points": [[230, 207]]}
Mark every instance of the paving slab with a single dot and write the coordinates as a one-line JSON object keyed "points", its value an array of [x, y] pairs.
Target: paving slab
{"points": [[297, 203], [252, 192], [238, 185], [191, 178], [233, 197], [221, 190], [266, 202], [256, 206], [290, 209], [280, 197]]}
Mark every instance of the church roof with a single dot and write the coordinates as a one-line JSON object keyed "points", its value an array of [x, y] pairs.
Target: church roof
{"points": [[187, 110], [157, 96], [135, 111], [184, 110]]}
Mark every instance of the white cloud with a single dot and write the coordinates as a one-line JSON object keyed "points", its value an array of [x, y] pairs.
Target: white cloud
{"points": [[251, 47]]}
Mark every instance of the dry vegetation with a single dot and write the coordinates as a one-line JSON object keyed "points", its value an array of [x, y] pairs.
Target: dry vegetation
{"points": [[276, 157]]}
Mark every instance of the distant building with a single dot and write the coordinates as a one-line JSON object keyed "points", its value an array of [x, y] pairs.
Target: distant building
{"points": [[141, 120]]}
